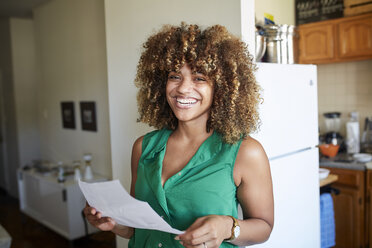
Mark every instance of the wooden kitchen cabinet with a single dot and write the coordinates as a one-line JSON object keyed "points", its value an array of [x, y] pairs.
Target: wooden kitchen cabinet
{"points": [[316, 43], [369, 209], [349, 207], [338, 40], [355, 37]]}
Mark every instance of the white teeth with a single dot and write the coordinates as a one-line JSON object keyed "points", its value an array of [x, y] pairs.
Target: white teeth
{"points": [[186, 101]]}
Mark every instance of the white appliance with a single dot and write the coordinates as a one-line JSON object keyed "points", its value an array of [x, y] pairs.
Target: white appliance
{"points": [[289, 134]]}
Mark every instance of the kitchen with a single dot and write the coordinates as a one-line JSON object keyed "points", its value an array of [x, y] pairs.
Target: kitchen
{"points": [[342, 87]]}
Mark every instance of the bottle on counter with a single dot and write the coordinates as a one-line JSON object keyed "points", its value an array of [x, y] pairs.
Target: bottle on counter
{"points": [[352, 134], [77, 175], [88, 173], [61, 172]]}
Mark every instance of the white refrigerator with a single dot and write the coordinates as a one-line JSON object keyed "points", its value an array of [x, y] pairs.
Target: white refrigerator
{"points": [[289, 134]]}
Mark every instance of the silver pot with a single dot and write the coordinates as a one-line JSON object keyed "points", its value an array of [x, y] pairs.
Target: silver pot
{"points": [[280, 43], [260, 46]]}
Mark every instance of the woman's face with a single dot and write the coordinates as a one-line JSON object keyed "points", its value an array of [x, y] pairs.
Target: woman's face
{"points": [[189, 95]]}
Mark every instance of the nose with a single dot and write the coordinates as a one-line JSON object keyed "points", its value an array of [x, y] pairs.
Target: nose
{"points": [[185, 85]]}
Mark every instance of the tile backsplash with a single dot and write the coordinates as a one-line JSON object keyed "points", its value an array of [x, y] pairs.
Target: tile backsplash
{"points": [[345, 87]]}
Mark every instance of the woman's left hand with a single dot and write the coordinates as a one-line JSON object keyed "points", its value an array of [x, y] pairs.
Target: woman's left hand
{"points": [[207, 232]]}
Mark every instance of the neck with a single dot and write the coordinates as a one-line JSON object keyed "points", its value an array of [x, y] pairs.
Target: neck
{"points": [[192, 131]]}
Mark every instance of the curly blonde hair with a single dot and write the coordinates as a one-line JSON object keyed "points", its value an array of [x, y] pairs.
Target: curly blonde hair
{"points": [[214, 52]]}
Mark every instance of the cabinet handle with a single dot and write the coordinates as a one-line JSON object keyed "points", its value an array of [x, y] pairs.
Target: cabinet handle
{"points": [[64, 195], [20, 176]]}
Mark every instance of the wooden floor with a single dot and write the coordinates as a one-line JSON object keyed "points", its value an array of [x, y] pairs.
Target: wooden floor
{"points": [[28, 233]]}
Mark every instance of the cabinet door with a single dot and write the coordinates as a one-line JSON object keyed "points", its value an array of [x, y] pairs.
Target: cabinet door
{"points": [[54, 206], [355, 37], [317, 43], [32, 199], [369, 209], [349, 208]]}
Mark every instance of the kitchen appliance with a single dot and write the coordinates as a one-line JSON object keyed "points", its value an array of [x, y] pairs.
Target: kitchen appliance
{"points": [[366, 140], [352, 134], [329, 150], [332, 134], [289, 135], [280, 44]]}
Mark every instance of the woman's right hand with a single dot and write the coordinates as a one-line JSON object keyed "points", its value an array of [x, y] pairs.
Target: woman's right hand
{"points": [[95, 219]]}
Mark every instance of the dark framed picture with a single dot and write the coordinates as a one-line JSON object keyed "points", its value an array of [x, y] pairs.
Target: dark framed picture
{"points": [[88, 116], [68, 115]]}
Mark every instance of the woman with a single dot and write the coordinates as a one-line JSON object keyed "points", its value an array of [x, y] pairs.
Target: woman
{"points": [[197, 88]]}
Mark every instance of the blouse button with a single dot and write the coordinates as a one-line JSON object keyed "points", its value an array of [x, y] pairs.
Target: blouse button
{"points": [[160, 245], [179, 173]]}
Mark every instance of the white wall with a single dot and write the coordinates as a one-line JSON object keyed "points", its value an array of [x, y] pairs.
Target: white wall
{"points": [[25, 85], [345, 87], [70, 38], [128, 24], [283, 10]]}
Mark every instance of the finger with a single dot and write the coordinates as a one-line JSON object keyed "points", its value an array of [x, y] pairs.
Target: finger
{"points": [[93, 221], [99, 221], [104, 220], [111, 220], [88, 211], [197, 223], [197, 234], [199, 228], [199, 240], [203, 239]]}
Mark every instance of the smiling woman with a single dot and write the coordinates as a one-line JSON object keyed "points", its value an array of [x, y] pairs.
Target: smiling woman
{"points": [[197, 88], [218, 56], [189, 95]]}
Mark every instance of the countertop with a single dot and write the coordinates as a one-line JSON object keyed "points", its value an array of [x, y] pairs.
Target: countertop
{"points": [[51, 177], [328, 180], [343, 161]]}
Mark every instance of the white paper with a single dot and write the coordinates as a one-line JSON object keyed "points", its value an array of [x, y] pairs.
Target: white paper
{"points": [[112, 200]]}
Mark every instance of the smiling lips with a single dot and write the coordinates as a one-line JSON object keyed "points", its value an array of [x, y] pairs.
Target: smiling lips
{"points": [[185, 102]]}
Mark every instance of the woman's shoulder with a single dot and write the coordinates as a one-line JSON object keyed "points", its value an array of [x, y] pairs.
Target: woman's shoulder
{"points": [[152, 140], [251, 159], [251, 148]]}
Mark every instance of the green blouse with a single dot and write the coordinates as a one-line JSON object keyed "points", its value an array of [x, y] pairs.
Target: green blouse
{"points": [[204, 186]]}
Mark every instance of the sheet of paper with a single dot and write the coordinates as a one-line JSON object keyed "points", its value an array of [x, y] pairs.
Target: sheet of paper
{"points": [[112, 200]]}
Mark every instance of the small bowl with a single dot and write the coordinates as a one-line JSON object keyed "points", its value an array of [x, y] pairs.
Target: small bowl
{"points": [[362, 157], [329, 150], [323, 173]]}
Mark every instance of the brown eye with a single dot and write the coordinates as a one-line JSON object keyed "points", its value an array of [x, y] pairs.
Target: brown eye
{"points": [[200, 79], [173, 77]]}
